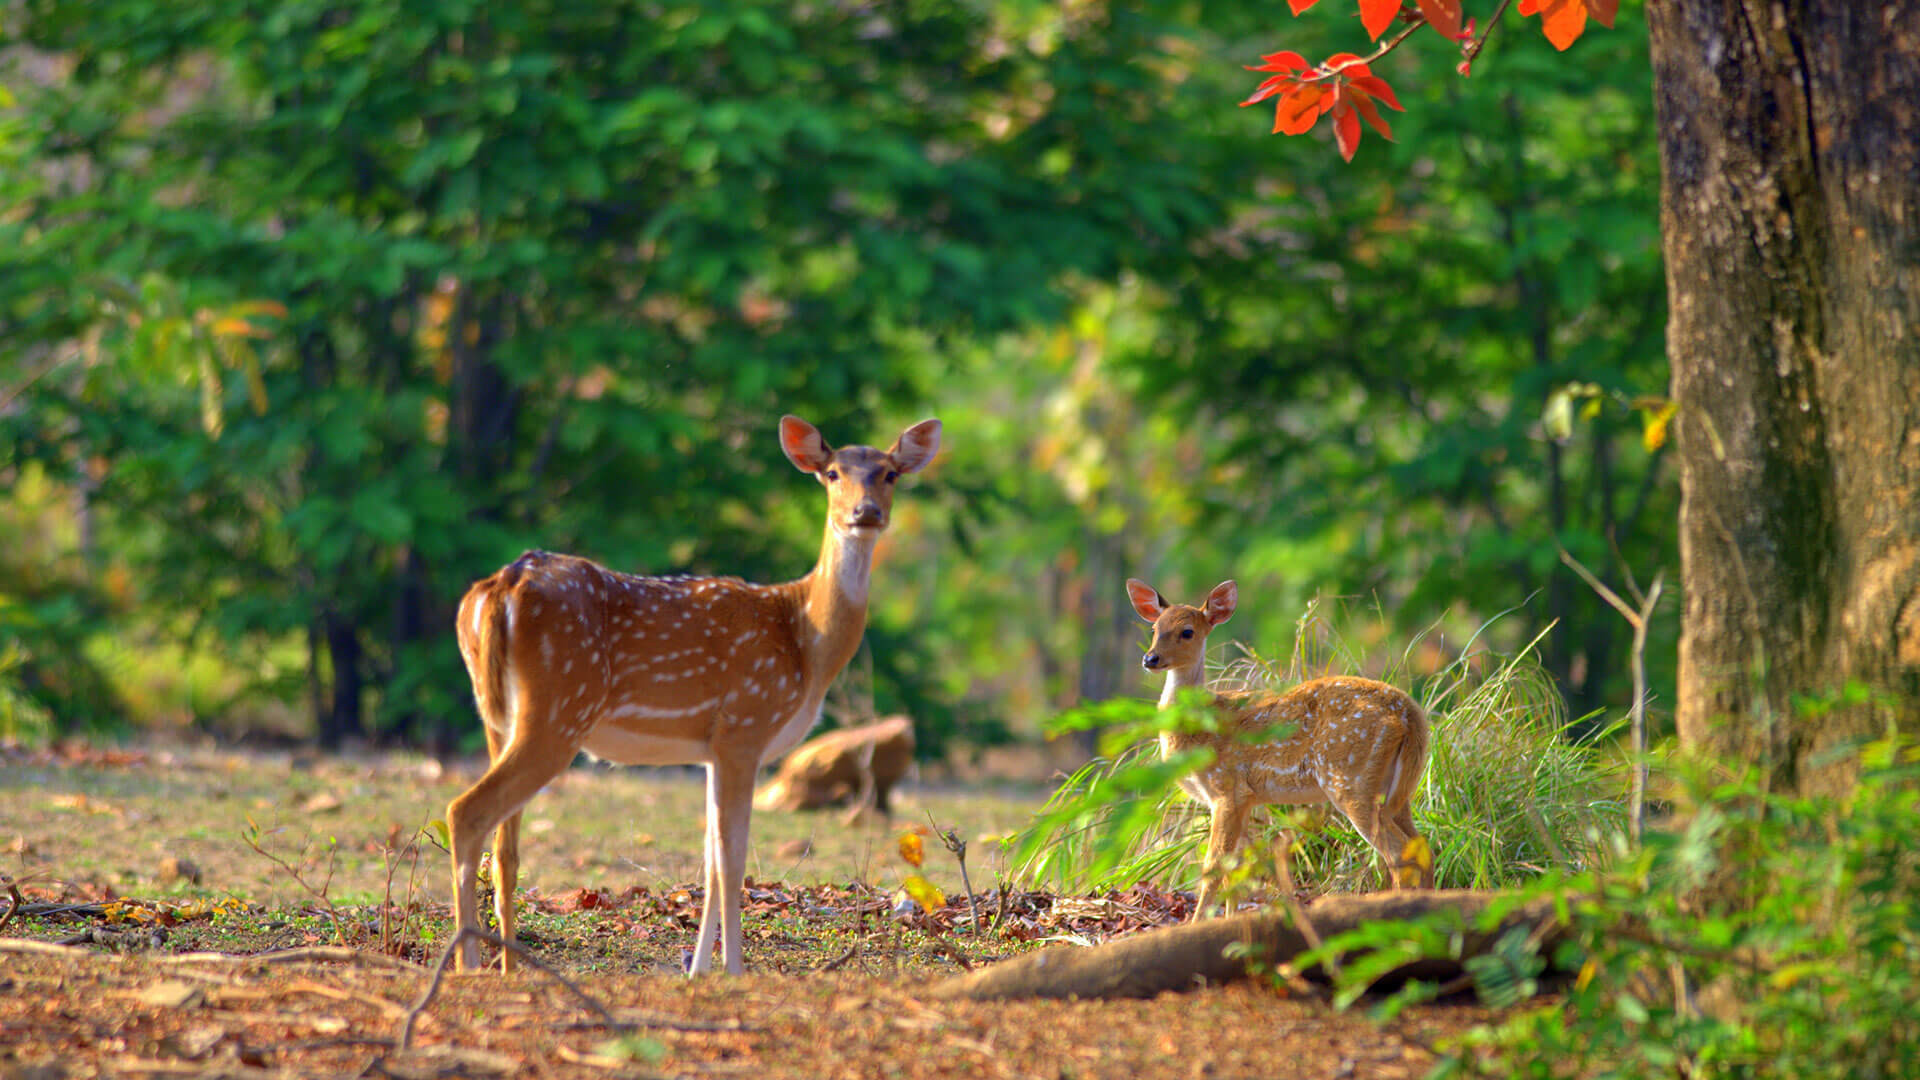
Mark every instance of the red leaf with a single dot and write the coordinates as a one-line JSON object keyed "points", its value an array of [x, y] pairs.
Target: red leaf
{"points": [[581, 899], [1346, 130], [1297, 111], [1444, 16], [1377, 15], [1603, 11], [1376, 87], [1269, 88], [1372, 116], [1299, 6], [1563, 21], [1279, 61]]}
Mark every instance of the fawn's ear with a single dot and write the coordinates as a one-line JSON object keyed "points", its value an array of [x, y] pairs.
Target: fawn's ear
{"points": [[916, 446], [803, 445], [1221, 602], [1148, 603]]}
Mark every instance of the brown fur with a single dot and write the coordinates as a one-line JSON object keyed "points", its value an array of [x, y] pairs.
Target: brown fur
{"points": [[566, 655], [854, 764], [1358, 744]]}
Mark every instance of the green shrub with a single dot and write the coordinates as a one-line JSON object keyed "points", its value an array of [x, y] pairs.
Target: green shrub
{"points": [[1765, 936], [1505, 796]]}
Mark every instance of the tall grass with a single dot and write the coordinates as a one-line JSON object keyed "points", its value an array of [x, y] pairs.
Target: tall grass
{"points": [[1506, 796]]}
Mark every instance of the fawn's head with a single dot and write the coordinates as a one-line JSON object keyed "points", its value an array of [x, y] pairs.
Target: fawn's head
{"points": [[1180, 630], [859, 479]]}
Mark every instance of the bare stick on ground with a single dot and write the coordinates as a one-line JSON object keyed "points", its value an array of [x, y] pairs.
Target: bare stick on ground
{"points": [[446, 958]]}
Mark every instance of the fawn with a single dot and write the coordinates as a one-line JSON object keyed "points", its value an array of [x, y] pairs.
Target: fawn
{"points": [[1356, 743], [566, 655]]}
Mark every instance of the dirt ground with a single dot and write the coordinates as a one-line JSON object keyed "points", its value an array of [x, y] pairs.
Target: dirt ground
{"points": [[299, 945]]}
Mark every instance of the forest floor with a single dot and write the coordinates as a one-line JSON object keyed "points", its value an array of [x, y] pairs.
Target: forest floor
{"points": [[212, 912]]}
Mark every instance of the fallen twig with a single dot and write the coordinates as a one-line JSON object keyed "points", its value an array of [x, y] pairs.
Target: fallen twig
{"points": [[840, 961], [13, 901], [446, 958], [958, 846]]}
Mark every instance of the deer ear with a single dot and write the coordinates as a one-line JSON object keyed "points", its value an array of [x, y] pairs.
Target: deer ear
{"points": [[916, 446], [1221, 602], [803, 445], [1146, 602]]}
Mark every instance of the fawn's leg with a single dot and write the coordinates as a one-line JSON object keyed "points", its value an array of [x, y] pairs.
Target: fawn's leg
{"points": [[1223, 836]]}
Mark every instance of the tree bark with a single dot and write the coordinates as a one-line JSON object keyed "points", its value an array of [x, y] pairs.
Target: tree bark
{"points": [[1790, 205], [1221, 950]]}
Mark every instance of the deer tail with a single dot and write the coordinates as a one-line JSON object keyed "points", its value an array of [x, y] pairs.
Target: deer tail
{"points": [[1413, 758], [487, 656]]}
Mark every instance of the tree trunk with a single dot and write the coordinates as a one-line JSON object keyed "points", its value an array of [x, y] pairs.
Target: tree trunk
{"points": [[342, 718], [1790, 152]]}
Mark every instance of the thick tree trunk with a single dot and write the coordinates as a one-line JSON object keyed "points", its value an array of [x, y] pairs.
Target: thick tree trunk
{"points": [[1790, 206]]}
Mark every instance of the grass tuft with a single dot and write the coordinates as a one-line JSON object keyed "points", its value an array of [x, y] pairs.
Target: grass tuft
{"points": [[1506, 796]]}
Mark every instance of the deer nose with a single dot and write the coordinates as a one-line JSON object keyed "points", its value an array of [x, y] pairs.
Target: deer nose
{"points": [[1150, 661], [868, 513]]}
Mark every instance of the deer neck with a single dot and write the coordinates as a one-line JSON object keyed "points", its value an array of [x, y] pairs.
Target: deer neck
{"points": [[833, 606], [1180, 678]]}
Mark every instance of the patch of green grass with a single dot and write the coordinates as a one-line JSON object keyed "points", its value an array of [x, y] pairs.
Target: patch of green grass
{"points": [[1505, 797]]}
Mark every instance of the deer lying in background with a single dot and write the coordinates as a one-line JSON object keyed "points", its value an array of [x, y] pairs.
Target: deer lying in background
{"points": [[566, 655], [858, 765], [1356, 743]]}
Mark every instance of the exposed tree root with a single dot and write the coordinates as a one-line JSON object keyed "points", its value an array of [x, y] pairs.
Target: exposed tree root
{"points": [[1220, 950]]}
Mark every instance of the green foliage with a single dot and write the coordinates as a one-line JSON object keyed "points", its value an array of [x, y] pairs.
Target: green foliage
{"points": [[1758, 935], [547, 275], [1505, 798], [1378, 383], [349, 304]]}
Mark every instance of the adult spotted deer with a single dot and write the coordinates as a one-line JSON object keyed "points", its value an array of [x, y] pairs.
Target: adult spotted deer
{"points": [[566, 655], [1356, 743]]}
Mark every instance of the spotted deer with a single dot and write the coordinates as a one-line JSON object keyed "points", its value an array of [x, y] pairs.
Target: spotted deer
{"points": [[1356, 743], [566, 655]]}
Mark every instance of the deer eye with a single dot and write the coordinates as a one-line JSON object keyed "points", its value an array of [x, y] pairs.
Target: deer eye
{"points": [[1187, 633], [892, 476], [833, 474]]}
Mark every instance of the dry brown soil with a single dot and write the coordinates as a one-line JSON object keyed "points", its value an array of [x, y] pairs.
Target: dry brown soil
{"points": [[317, 979]]}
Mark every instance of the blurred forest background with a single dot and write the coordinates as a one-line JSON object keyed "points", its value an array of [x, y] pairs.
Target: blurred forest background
{"points": [[313, 313]]}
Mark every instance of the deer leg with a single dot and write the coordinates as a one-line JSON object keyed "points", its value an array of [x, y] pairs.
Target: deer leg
{"points": [[1223, 837], [506, 863], [1375, 825], [702, 961], [521, 770], [729, 812], [506, 874]]}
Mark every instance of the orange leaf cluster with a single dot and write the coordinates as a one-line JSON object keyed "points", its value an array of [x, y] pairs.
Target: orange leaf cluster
{"points": [[1377, 15], [1341, 88], [1564, 21]]}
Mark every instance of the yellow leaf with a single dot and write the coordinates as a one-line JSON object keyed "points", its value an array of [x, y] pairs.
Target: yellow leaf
{"points": [[1416, 864], [259, 307], [924, 892], [1557, 417], [1590, 410], [912, 849], [1586, 975], [1791, 974], [1654, 434], [233, 326]]}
